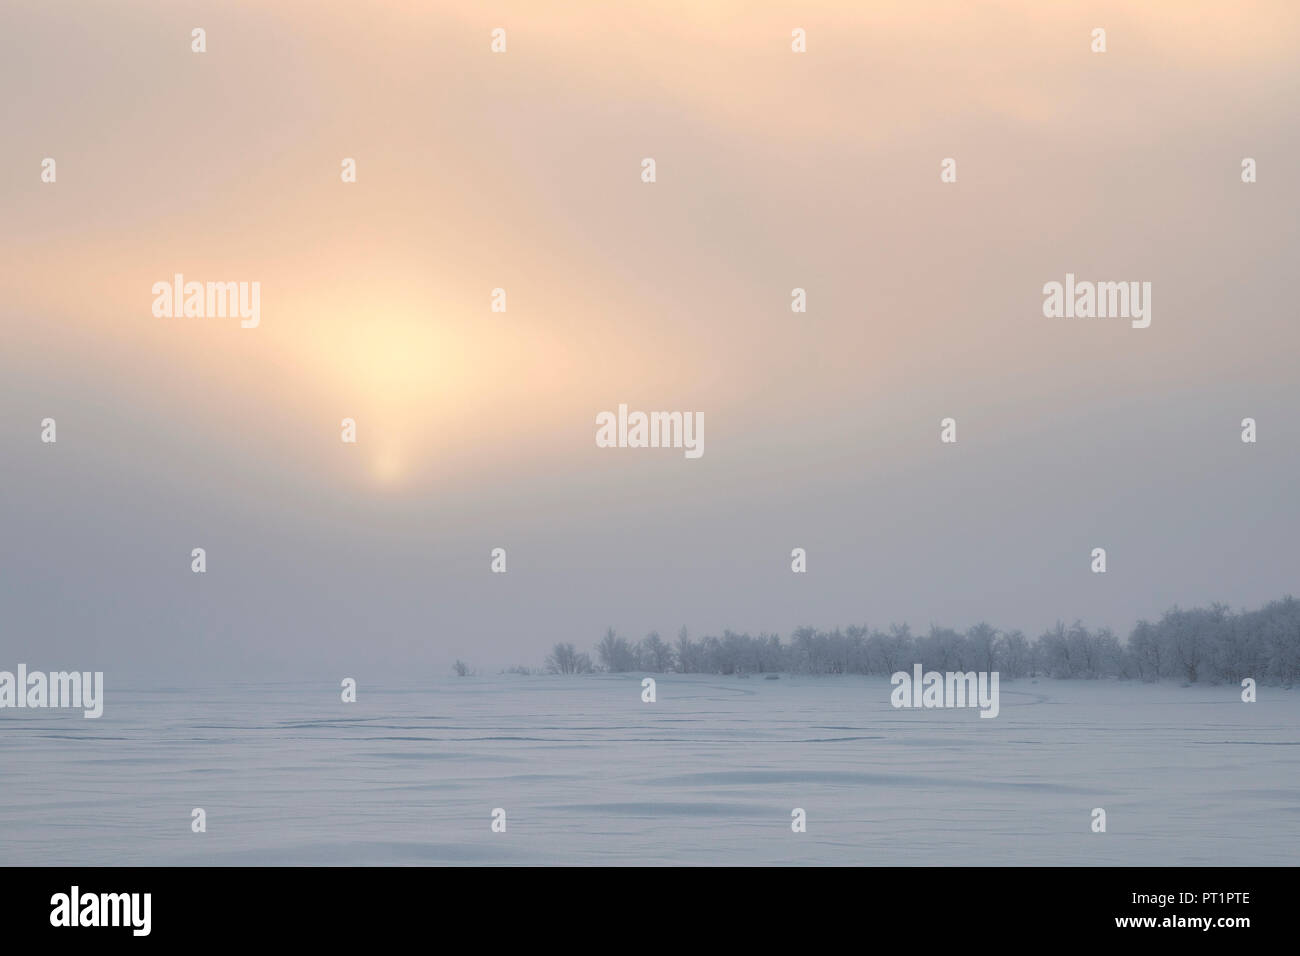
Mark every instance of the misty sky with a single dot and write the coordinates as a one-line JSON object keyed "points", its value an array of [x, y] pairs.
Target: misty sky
{"points": [[522, 170]]}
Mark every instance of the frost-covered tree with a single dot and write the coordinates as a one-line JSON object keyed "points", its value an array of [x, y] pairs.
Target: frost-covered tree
{"points": [[654, 654], [688, 654], [1013, 654], [615, 653], [1146, 651], [981, 648], [1203, 644]]}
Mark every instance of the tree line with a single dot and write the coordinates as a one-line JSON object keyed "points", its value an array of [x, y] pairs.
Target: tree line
{"points": [[1212, 644]]}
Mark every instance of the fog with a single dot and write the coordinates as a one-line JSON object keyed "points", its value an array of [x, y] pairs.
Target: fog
{"points": [[476, 430]]}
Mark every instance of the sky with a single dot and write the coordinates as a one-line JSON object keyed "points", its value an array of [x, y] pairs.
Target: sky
{"points": [[522, 170]]}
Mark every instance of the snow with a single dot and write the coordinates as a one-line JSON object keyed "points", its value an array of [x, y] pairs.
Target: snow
{"points": [[708, 774]]}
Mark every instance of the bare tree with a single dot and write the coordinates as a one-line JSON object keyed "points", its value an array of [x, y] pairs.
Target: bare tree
{"points": [[564, 659]]}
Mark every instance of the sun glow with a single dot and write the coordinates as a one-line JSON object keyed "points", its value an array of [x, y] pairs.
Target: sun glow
{"points": [[387, 468]]}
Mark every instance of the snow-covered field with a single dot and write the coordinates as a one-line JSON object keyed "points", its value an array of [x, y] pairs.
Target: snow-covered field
{"points": [[708, 774]]}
